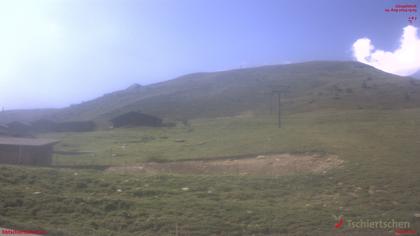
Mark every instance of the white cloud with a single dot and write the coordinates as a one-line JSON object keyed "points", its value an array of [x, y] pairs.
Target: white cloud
{"points": [[403, 61]]}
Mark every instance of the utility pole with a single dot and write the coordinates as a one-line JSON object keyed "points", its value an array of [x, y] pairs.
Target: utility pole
{"points": [[277, 90], [271, 104], [278, 93]]}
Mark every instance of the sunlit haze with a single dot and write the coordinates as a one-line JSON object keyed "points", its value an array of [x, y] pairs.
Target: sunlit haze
{"points": [[54, 53]]}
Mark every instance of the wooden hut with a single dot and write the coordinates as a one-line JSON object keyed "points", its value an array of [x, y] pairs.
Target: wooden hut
{"points": [[43, 126], [4, 131], [19, 129], [75, 126], [136, 119], [26, 151]]}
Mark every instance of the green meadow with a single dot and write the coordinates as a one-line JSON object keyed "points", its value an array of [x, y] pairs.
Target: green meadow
{"points": [[378, 180]]}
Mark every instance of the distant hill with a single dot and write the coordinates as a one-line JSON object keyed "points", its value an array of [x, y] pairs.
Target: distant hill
{"points": [[24, 115], [307, 86]]}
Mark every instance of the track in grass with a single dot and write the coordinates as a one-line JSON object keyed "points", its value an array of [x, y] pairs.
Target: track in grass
{"points": [[276, 165]]}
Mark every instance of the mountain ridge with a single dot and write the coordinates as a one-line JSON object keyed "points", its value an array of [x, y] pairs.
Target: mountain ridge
{"points": [[307, 86]]}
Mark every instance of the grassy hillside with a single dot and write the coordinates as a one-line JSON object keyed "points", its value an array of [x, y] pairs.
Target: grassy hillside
{"points": [[307, 86]]}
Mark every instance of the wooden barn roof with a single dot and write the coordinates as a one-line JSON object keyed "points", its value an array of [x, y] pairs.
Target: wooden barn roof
{"points": [[26, 141]]}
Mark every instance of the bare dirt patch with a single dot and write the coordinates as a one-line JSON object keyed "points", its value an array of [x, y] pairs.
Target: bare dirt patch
{"points": [[277, 165]]}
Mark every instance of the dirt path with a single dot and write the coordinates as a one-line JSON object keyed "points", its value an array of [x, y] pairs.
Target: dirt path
{"points": [[281, 164]]}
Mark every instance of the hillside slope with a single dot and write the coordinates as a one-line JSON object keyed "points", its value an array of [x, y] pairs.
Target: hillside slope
{"points": [[307, 86]]}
